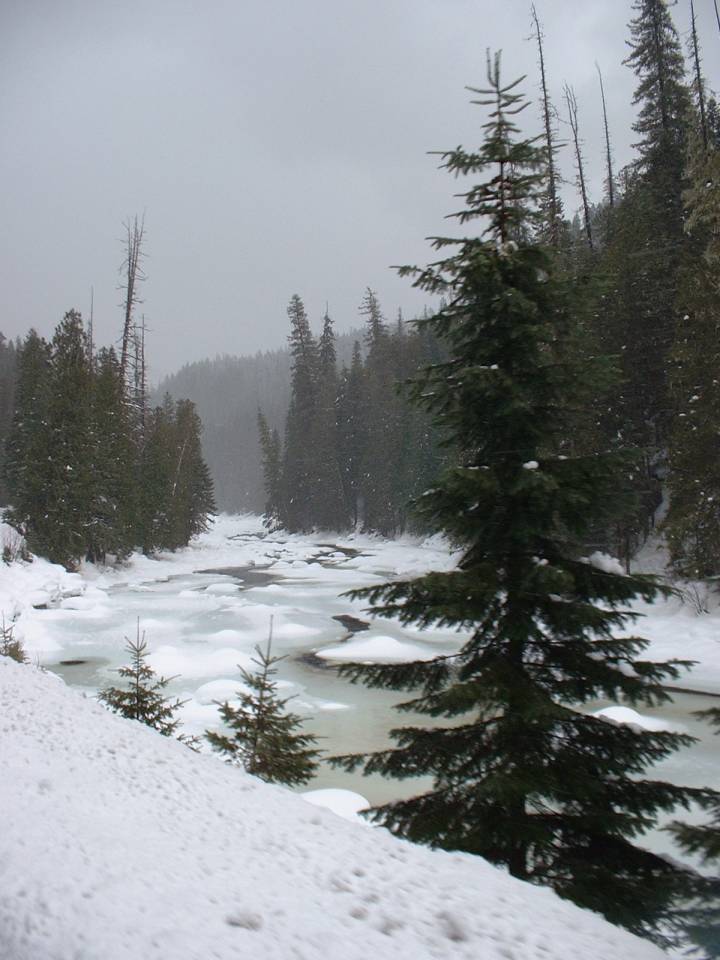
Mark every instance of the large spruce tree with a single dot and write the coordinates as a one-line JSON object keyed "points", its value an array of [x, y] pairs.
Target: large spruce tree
{"points": [[645, 256], [521, 775]]}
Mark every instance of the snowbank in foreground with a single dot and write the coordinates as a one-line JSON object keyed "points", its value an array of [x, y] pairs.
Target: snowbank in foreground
{"points": [[121, 844]]}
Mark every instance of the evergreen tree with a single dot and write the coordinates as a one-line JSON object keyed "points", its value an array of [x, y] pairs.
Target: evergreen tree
{"points": [[352, 431], [157, 471], [191, 501], [143, 698], [8, 378], [526, 780], [298, 493], [264, 736], [111, 509], [331, 512], [382, 422], [26, 448], [693, 520], [272, 471], [643, 244], [651, 228], [69, 453], [176, 491], [49, 471]]}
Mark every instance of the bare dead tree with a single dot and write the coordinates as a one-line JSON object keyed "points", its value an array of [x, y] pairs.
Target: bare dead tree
{"points": [[550, 144], [699, 87], [140, 375], [91, 345], [571, 101], [610, 182], [133, 275], [717, 13]]}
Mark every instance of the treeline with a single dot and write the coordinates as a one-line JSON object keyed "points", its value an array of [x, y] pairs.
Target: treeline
{"points": [[643, 264], [8, 374], [227, 392], [90, 470], [354, 451]]}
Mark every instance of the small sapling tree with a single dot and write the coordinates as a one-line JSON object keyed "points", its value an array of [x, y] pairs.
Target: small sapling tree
{"points": [[143, 698], [265, 739]]}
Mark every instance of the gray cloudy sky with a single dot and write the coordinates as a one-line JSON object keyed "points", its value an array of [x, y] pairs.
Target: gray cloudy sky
{"points": [[276, 147]]}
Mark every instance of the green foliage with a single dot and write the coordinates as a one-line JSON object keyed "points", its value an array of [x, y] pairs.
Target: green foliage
{"points": [[522, 776], [143, 697], [355, 451], [693, 521], [298, 491], [112, 497], [265, 738], [176, 497], [8, 380], [272, 471], [88, 477]]}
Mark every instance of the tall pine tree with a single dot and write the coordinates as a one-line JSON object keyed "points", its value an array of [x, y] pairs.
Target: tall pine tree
{"points": [[298, 489], [523, 777]]}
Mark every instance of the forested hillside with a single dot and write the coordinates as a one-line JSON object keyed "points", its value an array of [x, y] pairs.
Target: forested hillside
{"points": [[640, 268], [228, 391]]}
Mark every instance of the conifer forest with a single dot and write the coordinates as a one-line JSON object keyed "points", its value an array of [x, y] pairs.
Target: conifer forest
{"points": [[549, 414]]}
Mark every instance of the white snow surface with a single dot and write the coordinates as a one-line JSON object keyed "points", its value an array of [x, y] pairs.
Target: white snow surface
{"points": [[345, 803], [619, 714], [673, 626], [120, 844], [377, 649]]}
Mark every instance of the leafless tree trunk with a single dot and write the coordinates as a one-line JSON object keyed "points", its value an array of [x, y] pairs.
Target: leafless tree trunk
{"points": [[698, 74], [608, 152], [571, 101], [91, 345], [132, 276], [140, 375], [550, 145]]}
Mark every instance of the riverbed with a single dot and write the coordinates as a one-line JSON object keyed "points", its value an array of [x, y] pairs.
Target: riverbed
{"points": [[203, 610]]}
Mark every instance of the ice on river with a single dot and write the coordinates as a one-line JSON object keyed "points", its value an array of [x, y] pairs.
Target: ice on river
{"points": [[205, 608]]}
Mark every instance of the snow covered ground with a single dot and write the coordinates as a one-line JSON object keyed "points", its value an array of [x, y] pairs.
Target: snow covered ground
{"points": [[303, 579], [203, 610], [119, 844], [122, 844]]}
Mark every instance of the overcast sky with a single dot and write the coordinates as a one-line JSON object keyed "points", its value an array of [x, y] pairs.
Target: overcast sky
{"points": [[276, 147]]}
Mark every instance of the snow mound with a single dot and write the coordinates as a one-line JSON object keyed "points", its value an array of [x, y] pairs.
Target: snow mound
{"points": [[376, 649], [122, 844], [169, 661], [633, 718], [220, 690], [345, 803]]}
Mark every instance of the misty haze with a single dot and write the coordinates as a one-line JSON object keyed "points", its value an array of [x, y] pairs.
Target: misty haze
{"points": [[359, 480]]}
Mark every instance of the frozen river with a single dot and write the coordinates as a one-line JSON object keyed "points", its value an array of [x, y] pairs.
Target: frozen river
{"points": [[203, 610]]}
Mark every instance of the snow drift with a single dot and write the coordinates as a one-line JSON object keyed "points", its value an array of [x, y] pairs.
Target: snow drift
{"points": [[119, 843]]}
